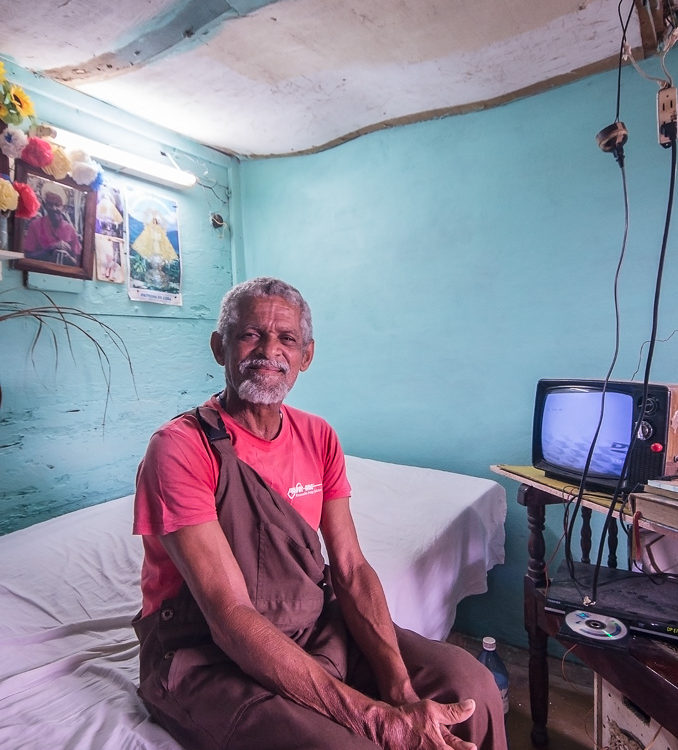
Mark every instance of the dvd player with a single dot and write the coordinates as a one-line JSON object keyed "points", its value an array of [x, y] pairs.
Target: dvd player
{"points": [[648, 605]]}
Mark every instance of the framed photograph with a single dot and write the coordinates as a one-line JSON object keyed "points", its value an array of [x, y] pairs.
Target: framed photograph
{"points": [[60, 238]]}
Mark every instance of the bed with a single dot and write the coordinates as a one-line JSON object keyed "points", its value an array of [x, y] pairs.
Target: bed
{"points": [[70, 586]]}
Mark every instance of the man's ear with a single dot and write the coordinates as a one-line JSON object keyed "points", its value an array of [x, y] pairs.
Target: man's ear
{"points": [[217, 346], [307, 356]]}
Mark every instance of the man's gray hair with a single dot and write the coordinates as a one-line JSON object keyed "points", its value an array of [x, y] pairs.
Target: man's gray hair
{"points": [[263, 286]]}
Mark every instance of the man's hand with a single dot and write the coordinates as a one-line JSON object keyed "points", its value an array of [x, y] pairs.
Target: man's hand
{"points": [[419, 726]]}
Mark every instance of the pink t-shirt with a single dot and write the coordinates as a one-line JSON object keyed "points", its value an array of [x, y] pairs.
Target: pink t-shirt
{"points": [[41, 237], [178, 477]]}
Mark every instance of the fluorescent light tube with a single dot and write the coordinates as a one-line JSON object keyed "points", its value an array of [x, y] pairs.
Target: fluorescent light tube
{"points": [[124, 162]]}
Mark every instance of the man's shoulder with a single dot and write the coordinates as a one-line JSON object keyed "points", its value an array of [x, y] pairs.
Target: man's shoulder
{"points": [[182, 424], [301, 417]]}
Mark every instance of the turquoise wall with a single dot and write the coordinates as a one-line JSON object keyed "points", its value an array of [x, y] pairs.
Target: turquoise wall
{"points": [[61, 448], [451, 264]]}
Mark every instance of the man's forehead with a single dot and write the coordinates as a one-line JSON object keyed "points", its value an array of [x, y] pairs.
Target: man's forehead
{"points": [[262, 309]]}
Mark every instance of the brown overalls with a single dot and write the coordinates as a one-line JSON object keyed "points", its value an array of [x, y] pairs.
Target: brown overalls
{"points": [[206, 701]]}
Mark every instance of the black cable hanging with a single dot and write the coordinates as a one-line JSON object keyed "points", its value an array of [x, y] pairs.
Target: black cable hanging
{"points": [[612, 140], [648, 364]]}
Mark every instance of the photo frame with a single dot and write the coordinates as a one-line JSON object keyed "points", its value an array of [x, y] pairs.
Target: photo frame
{"points": [[59, 240]]}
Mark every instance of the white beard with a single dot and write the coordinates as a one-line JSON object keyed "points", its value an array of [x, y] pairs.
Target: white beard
{"points": [[263, 393], [256, 390]]}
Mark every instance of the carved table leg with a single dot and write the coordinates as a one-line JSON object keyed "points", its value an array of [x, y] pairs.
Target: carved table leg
{"points": [[585, 537], [536, 546], [537, 638], [612, 541], [538, 668]]}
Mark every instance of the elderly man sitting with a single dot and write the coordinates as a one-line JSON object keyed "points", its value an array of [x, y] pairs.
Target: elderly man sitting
{"points": [[248, 640]]}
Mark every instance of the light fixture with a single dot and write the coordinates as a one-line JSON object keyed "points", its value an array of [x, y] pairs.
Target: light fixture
{"points": [[125, 162]]}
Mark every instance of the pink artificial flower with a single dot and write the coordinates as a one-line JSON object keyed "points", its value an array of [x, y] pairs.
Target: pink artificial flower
{"points": [[37, 152], [28, 204]]}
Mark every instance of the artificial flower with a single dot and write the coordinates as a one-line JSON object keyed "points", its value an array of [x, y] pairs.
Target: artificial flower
{"points": [[98, 181], [28, 203], [84, 170], [37, 152], [8, 196], [2, 71], [42, 130], [15, 104], [21, 101], [60, 165], [77, 155], [13, 140]]}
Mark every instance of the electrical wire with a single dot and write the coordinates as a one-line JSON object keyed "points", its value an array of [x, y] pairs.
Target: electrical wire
{"points": [[620, 161], [587, 465], [628, 54], [625, 26], [673, 37], [620, 490], [642, 346], [648, 364]]}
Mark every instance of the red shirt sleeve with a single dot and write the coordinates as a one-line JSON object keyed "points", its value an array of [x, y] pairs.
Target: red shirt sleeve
{"points": [[176, 480]]}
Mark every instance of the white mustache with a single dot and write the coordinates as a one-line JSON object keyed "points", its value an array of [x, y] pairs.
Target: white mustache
{"points": [[259, 362]]}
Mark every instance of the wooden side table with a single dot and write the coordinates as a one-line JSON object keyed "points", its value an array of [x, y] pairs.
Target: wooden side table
{"points": [[646, 673]]}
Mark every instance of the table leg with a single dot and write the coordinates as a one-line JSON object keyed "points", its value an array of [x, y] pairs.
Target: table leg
{"points": [[585, 536], [537, 638], [612, 541], [536, 546], [538, 668]]}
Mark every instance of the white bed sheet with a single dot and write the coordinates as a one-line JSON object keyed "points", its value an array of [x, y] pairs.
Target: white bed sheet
{"points": [[70, 586]]}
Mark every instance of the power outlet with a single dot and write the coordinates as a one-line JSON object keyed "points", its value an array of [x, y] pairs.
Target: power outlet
{"points": [[666, 115]]}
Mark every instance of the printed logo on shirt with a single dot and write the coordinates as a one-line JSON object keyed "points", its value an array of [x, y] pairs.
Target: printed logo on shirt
{"points": [[299, 490]]}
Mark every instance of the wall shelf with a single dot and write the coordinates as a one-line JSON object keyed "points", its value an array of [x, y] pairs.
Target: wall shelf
{"points": [[10, 255]]}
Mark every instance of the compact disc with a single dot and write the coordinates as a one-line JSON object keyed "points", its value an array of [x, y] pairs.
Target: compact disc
{"points": [[594, 625]]}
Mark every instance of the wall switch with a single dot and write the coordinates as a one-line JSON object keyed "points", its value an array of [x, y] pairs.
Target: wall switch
{"points": [[666, 115]]}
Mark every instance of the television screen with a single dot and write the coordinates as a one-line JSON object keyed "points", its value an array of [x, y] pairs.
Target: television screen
{"points": [[569, 424]]}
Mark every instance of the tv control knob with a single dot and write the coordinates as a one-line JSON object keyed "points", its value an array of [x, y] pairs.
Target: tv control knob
{"points": [[645, 431], [651, 406]]}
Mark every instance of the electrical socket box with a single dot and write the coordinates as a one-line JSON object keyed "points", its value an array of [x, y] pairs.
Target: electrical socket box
{"points": [[666, 115]]}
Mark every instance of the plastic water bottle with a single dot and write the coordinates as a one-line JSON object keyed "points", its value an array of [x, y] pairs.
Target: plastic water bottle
{"points": [[491, 659]]}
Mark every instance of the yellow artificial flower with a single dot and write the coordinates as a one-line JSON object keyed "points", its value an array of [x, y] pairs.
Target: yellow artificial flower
{"points": [[60, 166], [22, 104], [9, 197], [2, 71]]}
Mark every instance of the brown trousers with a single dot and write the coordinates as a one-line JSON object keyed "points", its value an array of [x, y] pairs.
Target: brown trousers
{"points": [[203, 698]]}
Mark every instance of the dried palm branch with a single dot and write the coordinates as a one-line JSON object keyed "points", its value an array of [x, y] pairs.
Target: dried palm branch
{"points": [[72, 319]]}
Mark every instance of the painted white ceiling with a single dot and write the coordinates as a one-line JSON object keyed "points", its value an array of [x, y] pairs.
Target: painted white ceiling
{"points": [[253, 77]]}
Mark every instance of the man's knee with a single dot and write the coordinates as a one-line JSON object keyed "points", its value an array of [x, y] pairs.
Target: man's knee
{"points": [[445, 672]]}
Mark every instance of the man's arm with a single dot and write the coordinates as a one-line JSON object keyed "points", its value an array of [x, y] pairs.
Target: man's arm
{"points": [[205, 560], [363, 603]]}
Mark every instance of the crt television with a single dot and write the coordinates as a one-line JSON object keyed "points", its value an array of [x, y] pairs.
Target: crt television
{"points": [[567, 414]]}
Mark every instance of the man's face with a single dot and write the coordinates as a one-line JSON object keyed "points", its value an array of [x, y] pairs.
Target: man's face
{"points": [[264, 351], [53, 206]]}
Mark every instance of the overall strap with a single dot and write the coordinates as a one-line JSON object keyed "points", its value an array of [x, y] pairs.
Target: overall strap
{"points": [[212, 424]]}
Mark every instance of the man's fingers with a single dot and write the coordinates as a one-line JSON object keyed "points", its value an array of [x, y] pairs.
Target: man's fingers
{"points": [[458, 712], [457, 744]]}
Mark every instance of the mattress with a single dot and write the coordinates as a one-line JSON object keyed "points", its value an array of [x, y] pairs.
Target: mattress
{"points": [[69, 588]]}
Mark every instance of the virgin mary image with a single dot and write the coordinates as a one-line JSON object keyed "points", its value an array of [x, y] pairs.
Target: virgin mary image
{"points": [[155, 258]]}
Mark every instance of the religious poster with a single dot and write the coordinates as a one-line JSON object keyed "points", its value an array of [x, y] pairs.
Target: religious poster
{"points": [[110, 236], [154, 253]]}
